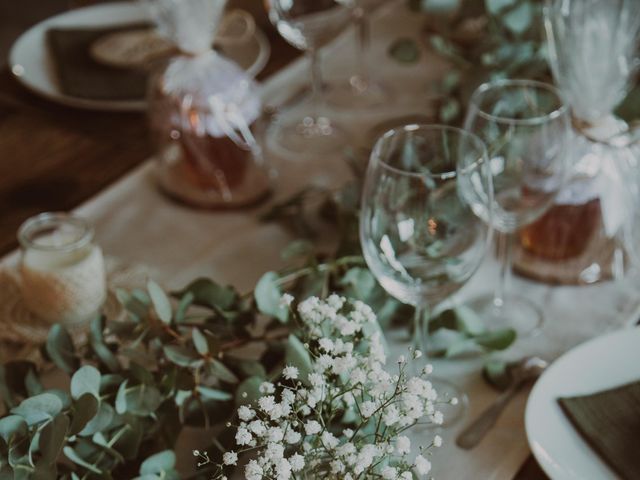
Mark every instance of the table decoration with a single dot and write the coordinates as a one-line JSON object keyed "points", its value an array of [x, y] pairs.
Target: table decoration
{"points": [[420, 229], [62, 270], [582, 237], [23, 333], [525, 125], [201, 109], [309, 25], [137, 380], [341, 414], [361, 90]]}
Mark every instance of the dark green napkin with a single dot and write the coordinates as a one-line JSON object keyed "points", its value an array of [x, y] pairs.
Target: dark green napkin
{"points": [[610, 422], [81, 76]]}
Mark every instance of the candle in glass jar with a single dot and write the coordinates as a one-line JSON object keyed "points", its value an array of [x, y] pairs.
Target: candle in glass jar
{"points": [[62, 270]]}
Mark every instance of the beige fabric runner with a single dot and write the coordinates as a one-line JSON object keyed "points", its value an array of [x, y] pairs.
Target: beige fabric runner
{"points": [[138, 225]]}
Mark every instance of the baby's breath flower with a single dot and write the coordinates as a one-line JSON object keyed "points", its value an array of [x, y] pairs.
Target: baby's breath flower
{"points": [[243, 437], [290, 372], [230, 458], [403, 445], [245, 413], [437, 441], [312, 427], [367, 408], [292, 436], [267, 387], [286, 300], [389, 473], [297, 462], [348, 376], [423, 466]]}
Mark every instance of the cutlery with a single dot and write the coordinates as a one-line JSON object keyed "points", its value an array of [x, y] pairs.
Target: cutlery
{"points": [[527, 369]]}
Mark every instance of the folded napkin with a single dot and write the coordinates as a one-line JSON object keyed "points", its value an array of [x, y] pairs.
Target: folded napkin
{"points": [[81, 76], [610, 422]]}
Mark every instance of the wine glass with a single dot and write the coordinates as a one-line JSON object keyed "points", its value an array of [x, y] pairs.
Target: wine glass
{"points": [[526, 126], [362, 90], [419, 233], [308, 25]]}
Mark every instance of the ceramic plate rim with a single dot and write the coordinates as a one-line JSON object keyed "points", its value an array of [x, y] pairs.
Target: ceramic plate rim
{"points": [[93, 16], [542, 401]]}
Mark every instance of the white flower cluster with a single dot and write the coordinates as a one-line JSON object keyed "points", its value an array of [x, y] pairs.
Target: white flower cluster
{"points": [[346, 419]]}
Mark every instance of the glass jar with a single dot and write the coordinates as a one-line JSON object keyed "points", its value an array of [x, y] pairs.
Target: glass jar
{"points": [[62, 270], [584, 237], [207, 155], [202, 108]]}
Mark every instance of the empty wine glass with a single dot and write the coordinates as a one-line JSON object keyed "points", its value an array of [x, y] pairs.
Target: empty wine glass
{"points": [[525, 125], [362, 90], [419, 233], [308, 25]]}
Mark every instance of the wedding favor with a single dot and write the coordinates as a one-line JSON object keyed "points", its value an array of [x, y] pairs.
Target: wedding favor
{"points": [[202, 107], [584, 237], [62, 270]]}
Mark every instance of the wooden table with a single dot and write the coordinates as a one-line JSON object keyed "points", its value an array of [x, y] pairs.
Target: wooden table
{"points": [[53, 158]]}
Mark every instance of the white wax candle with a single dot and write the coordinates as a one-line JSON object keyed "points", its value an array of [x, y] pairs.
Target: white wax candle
{"points": [[63, 286]]}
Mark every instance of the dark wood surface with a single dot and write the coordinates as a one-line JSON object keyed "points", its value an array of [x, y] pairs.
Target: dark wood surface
{"points": [[53, 158]]}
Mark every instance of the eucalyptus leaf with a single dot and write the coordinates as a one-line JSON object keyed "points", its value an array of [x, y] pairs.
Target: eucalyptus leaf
{"points": [[214, 394], [71, 454], [39, 408], [100, 421], [405, 50], [469, 321], [52, 439], [297, 249], [207, 293], [85, 380], [131, 439], [159, 463], [220, 371], [84, 409], [99, 347], [13, 426], [62, 395], [61, 350], [135, 306], [268, 297], [497, 374], [361, 282], [200, 342], [249, 390], [161, 303], [183, 305], [181, 356], [497, 339], [297, 354], [251, 368], [140, 400]]}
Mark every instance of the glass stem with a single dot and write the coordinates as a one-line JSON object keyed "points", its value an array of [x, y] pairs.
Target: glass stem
{"points": [[364, 41], [505, 256], [421, 327], [316, 82]]}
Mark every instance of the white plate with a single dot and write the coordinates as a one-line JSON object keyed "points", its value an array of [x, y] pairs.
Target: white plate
{"points": [[33, 67], [599, 364]]}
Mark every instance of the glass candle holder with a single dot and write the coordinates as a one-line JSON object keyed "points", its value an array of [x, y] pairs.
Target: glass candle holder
{"points": [[62, 270]]}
